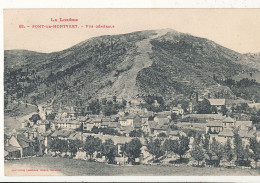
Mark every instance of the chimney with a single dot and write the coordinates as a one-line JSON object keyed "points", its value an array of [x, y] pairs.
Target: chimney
{"points": [[31, 136], [26, 134], [81, 136], [197, 97]]}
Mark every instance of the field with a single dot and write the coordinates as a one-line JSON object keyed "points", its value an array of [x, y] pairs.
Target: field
{"points": [[71, 167], [21, 110], [19, 113]]}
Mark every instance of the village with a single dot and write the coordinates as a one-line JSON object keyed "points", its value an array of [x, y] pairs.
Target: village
{"points": [[135, 135]]}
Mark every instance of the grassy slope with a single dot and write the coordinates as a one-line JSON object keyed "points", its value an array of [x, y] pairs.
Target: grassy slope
{"points": [[14, 119], [72, 167]]}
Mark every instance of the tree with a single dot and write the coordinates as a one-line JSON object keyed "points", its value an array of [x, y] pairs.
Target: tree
{"points": [[210, 153], [124, 102], [198, 139], [255, 147], [35, 118], [238, 147], [43, 147], [36, 146], [204, 107], [233, 108], [218, 150], [162, 134], [210, 131], [228, 152], [114, 98], [74, 146], [50, 116], [206, 142], [197, 153], [136, 133], [95, 107], [247, 153], [214, 109], [54, 145], [168, 146], [109, 150], [5, 139], [181, 146], [110, 109], [92, 145], [174, 116], [95, 129], [154, 147], [255, 119], [224, 110], [63, 146], [133, 149], [244, 107]]}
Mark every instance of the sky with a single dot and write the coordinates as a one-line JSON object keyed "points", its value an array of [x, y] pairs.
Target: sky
{"points": [[237, 29]]}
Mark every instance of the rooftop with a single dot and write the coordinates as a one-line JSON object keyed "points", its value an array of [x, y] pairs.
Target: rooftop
{"points": [[11, 148], [217, 102], [161, 116], [229, 120], [226, 133], [246, 133], [161, 127], [206, 116], [214, 123], [243, 123], [61, 133]]}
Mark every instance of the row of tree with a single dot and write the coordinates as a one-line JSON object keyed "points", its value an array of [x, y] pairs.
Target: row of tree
{"points": [[213, 153], [90, 146]]}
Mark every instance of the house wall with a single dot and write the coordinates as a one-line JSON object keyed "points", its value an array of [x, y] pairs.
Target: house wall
{"points": [[128, 122], [146, 129], [68, 125], [246, 141], [97, 125], [144, 120], [42, 128], [13, 155], [80, 155], [216, 128], [13, 141], [28, 151], [258, 137], [228, 125], [157, 132], [88, 126]]}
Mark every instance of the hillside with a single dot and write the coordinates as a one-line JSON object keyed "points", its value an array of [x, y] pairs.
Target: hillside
{"points": [[157, 62], [182, 63], [252, 59]]}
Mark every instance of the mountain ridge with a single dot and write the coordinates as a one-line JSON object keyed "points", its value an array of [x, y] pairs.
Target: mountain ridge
{"points": [[156, 62]]}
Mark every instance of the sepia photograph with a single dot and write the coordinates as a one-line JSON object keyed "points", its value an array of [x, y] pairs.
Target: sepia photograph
{"points": [[131, 92]]}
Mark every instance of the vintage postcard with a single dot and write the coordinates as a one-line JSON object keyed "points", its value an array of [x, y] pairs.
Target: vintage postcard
{"points": [[132, 92]]}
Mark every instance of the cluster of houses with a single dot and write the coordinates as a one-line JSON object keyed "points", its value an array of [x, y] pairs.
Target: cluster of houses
{"points": [[222, 127], [69, 125], [227, 127]]}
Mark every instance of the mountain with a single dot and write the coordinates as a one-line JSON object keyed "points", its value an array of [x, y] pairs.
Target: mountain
{"points": [[157, 62], [252, 60]]}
